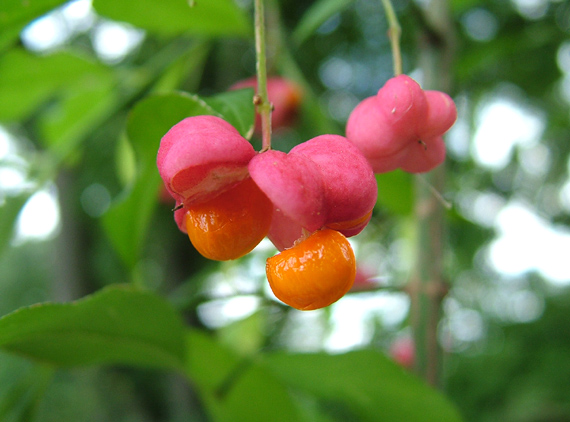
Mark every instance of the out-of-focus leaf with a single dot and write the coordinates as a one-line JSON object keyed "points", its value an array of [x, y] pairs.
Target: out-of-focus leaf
{"points": [[171, 17], [480, 66], [396, 192], [317, 14], [115, 325], [237, 108], [27, 80], [365, 383], [15, 14], [186, 70], [8, 214], [237, 390], [126, 223], [126, 163], [245, 336], [208, 363], [22, 385], [18, 11], [67, 122], [459, 6], [9, 36], [465, 238], [76, 94], [151, 118]]}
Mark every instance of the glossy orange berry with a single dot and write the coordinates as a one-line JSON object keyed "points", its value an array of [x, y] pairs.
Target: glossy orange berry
{"points": [[314, 273], [231, 224]]}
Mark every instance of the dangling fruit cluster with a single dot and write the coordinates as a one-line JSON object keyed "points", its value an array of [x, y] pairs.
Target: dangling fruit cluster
{"points": [[307, 201], [402, 126]]}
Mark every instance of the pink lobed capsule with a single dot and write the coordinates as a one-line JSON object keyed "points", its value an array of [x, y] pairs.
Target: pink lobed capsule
{"points": [[202, 156]]}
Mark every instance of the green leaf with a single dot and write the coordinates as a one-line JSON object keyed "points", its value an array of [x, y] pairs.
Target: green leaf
{"points": [[396, 192], [207, 362], [117, 325], [186, 69], [172, 17], [17, 11], [245, 336], [365, 384], [22, 386], [66, 123], [126, 223], [237, 108], [315, 16], [152, 117], [9, 36], [27, 80], [237, 390]]}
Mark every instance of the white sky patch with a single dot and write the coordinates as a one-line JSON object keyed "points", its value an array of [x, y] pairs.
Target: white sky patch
{"points": [[563, 57], [531, 9], [480, 24], [480, 207], [353, 316], [221, 312], [564, 88], [113, 40], [40, 217], [11, 179], [79, 15], [565, 196], [46, 32], [535, 159], [527, 242], [501, 126], [56, 28], [6, 145]]}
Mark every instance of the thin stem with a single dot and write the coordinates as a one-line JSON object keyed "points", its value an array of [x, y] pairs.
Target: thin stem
{"points": [[394, 32], [263, 106], [446, 204]]}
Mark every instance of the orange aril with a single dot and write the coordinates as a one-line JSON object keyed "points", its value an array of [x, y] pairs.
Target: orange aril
{"points": [[231, 224], [315, 272], [347, 225]]}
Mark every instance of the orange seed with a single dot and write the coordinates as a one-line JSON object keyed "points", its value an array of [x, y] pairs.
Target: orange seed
{"points": [[231, 224], [315, 272]]}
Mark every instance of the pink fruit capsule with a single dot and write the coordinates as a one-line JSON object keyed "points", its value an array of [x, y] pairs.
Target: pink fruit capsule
{"points": [[323, 182], [425, 155], [441, 114], [401, 126], [350, 186], [403, 105], [201, 156], [294, 184]]}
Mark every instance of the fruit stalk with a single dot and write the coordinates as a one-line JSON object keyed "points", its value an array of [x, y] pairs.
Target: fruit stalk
{"points": [[263, 106], [394, 32]]}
